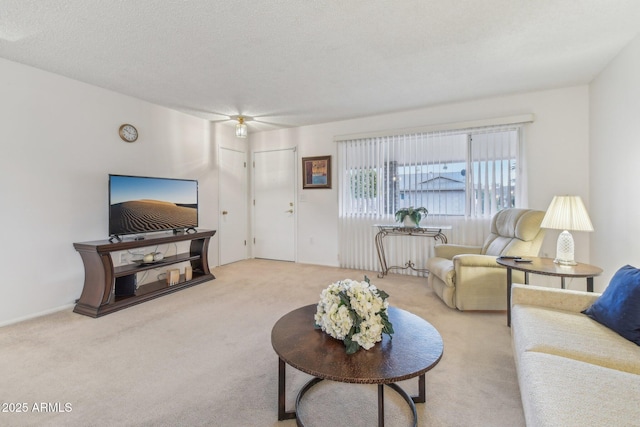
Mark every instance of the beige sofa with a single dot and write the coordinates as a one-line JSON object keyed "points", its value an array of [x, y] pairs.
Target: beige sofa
{"points": [[572, 370], [468, 277]]}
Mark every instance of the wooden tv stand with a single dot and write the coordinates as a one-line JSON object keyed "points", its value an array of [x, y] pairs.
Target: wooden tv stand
{"points": [[98, 295]]}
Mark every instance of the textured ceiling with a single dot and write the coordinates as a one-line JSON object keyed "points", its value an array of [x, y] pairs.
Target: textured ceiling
{"points": [[300, 62]]}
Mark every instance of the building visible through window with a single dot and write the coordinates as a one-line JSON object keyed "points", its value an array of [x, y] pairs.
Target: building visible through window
{"points": [[472, 172]]}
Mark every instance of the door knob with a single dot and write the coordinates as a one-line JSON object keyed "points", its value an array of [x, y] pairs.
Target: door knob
{"points": [[224, 212]]}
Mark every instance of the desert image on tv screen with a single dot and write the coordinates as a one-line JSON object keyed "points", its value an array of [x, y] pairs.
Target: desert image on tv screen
{"points": [[140, 204]]}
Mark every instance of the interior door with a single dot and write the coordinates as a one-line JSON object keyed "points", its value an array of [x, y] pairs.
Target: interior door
{"points": [[274, 186], [233, 216]]}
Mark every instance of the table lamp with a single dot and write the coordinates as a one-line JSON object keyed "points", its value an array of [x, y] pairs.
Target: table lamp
{"points": [[566, 213]]}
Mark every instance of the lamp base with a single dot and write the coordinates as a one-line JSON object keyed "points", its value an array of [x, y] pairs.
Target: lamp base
{"points": [[564, 249]]}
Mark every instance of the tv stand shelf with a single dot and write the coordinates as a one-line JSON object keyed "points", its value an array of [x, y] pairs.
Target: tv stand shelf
{"points": [[98, 295]]}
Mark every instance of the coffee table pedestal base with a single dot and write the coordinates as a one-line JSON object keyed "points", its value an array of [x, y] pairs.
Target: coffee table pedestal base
{"points": [[283, 414]]}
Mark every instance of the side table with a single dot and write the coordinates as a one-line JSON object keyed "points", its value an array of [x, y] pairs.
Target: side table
{"points": [[546, 267], [434, 231]]}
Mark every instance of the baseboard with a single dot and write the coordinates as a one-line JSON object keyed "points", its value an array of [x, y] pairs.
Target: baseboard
{"points": [[34, 315]]}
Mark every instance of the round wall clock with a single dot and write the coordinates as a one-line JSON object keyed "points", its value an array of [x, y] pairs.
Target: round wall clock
{"points": [[128, 133]]}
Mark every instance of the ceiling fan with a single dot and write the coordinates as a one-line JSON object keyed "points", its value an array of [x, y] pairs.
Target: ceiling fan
{"points": [[243, 122]]}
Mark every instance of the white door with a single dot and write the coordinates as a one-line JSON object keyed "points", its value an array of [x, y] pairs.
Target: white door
{"points": [[233, 216], [274, 183]]}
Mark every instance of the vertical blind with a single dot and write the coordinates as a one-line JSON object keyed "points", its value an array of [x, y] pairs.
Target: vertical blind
{"points": [[462, 177]]}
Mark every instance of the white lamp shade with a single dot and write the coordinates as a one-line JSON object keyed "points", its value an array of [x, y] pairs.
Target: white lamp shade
{"points": [[567, 213]]}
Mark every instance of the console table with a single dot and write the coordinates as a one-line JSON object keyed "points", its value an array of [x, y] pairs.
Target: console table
{"points": [[415, 349], [384, 230], [546, 267], [98, 295]]}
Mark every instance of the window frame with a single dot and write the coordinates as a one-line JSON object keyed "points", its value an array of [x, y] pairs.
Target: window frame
{"points": [[378, 149]]}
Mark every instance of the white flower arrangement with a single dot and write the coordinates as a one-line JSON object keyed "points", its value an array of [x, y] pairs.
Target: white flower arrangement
{"points": [[355, 313]]}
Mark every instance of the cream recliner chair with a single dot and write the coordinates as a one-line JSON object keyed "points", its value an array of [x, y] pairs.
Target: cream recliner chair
{"points": [[468, 277]]}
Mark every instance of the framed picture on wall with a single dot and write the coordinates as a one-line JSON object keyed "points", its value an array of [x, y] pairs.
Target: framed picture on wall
{"points": [[316, 172]]}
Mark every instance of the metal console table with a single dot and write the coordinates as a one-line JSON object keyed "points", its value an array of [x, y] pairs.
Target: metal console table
{"points": [[384, 230]]}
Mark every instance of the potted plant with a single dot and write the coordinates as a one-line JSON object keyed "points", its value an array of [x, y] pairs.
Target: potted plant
{"points": [[411, 216]]}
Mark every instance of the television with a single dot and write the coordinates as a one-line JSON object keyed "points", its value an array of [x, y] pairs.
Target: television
{"points": [[141, 204]]}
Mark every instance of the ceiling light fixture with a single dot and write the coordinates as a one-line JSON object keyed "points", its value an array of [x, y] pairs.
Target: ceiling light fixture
{"points": [[241, 128]]}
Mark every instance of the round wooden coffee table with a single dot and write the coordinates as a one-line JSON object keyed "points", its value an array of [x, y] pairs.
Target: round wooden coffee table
{"points": [[416, 347]]}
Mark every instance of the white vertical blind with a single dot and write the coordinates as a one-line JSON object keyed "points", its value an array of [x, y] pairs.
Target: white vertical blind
{"points": [[493, 156], [463, 177]]}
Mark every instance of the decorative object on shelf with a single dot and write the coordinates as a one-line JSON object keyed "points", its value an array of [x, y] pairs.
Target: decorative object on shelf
{"points": [[411, 216], [173, 276], [241, 127], [566, 213], [128, 133], [150, 258], [316, 172], [355, 313], [153, 257]]}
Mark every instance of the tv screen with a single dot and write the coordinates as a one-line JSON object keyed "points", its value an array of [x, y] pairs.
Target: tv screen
{"points": [[139, 204]]}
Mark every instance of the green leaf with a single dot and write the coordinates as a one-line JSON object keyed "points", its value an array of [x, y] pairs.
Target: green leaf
{"points": [[344, 299], [387, 327], [357, 320], [351, 346], [383, 294]]}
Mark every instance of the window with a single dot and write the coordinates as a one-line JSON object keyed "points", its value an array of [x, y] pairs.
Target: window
{"points": [[471, 172]]}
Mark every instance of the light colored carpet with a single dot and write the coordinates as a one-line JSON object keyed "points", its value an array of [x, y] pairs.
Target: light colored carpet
{"points": [[203, 357]]}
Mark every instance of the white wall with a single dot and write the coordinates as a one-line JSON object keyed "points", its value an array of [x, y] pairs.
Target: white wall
{"points": [[557, 145], [60, 142], [614, 164]]}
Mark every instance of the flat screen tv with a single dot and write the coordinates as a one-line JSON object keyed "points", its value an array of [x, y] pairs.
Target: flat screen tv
{"points": [[141, 204]]}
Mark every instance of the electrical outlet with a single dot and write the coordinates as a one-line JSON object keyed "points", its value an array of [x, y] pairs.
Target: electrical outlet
{"points": [[123, 258]]}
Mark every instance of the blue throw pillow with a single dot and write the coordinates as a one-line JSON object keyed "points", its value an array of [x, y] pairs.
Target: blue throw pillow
{"points": [[618, 308]]}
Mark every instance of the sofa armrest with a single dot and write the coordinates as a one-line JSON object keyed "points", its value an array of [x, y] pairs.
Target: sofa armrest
{"points": [[560, 299], [471, 260], [449, 250]]}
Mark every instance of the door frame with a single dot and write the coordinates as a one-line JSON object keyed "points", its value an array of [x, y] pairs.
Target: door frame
{"points": [[296, 173]]}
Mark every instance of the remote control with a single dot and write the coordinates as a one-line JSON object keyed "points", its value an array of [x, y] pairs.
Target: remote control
{"points": [[510, 257]]}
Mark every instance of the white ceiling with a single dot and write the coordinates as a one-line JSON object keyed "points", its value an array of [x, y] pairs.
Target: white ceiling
{"points": [[300, 62]]}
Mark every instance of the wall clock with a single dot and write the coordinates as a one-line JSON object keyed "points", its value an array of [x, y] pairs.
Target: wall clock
{"points": [[128, 133]]}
